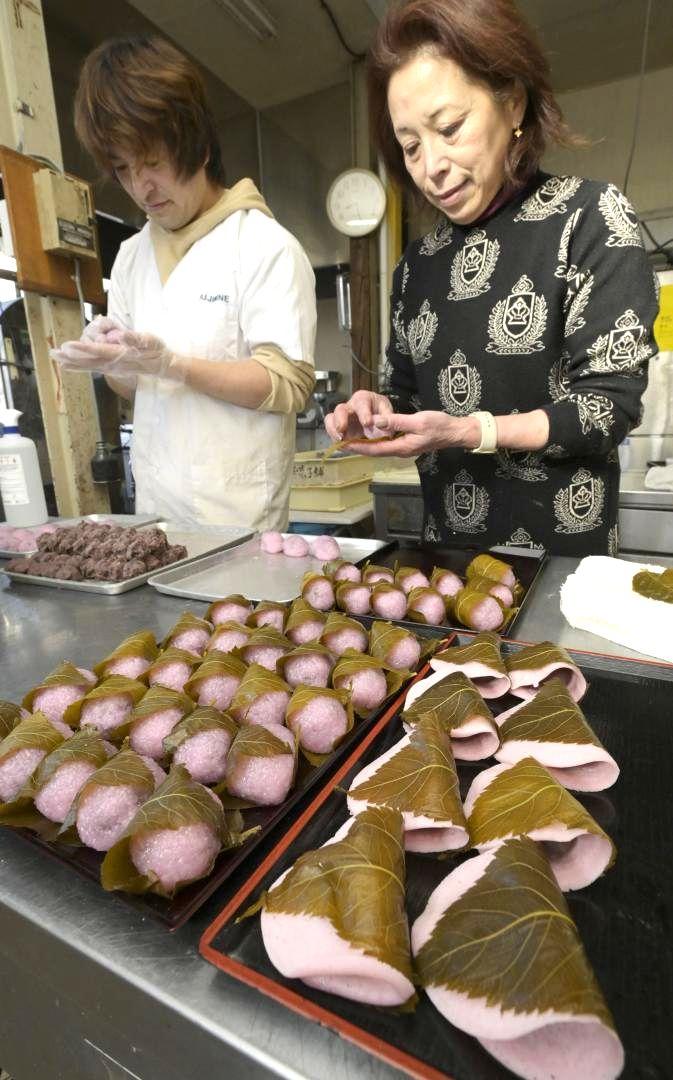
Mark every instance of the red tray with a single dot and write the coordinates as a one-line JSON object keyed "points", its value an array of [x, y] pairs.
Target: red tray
{"points": [[623, 919]]}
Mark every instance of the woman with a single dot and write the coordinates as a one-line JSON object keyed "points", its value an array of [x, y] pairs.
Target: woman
{"points": [[522, 325], [211, 309]]}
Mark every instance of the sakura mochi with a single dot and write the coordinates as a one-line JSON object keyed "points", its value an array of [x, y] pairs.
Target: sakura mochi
{"points": [[201, 743], [271, 543], [58, 690], [296, 546], [388, 601], [22, 751], [110, 798], [261, 764], [319, 718], [325, 548], [230, 609], [132, 657]]}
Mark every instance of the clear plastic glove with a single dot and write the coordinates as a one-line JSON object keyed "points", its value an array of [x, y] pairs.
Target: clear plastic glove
{"points": [[121, 353], [99, 328]]}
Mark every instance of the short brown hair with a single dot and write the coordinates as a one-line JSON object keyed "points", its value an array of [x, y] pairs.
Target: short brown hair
{"points": [[133, 88], [494, 45]]}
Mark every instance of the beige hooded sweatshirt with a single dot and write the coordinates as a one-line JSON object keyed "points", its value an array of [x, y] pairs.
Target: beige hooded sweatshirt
{"points": [[291, 380]]}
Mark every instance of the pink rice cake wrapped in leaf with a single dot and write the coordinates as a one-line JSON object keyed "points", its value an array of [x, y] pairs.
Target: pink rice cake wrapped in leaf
{"points": [[480, 661], [535, 665], [108, 706], [304, 623], [489, 587], [368, 680], [234, 608], [307, 665], [173, 839], [132, 657], [262, 697], [271, 542], [261, 764], [488, 566], [388, 601], [65, 684], [10, 715], [410, 577], [172, 668], [337, 919], [341, 570], [201, 743], [216, 680], [325, 548], [524, 800], [295, 546], [499, 956], [478, 610], [229, 636], [64, 772], [265, 646], [460, 709], [154, 718], [320, 720], [375, 575], [317, 590], [553, 729], [353, 597], [268, 613], [341, 633], [22, 751], [109, 799], [426, 605], [189, 633], [418, 777], [397, 647], [445, 581]]}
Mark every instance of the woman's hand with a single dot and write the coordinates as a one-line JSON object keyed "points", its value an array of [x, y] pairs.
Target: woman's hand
{"points": [[354, 419], [411, 435]]}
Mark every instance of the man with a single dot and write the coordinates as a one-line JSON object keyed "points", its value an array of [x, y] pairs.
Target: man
{"points": [[211, 309]]}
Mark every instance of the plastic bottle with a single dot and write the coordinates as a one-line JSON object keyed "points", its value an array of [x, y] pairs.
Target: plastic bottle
{"points": [[20, 480]]}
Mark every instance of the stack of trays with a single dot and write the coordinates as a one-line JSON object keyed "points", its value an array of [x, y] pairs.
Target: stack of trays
{"points": [[333, 483]]}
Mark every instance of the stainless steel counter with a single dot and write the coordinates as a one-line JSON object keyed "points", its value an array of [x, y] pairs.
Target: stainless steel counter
{"points": [[92, 990]]}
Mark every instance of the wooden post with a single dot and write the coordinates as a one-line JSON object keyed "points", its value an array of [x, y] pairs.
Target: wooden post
{"points": [[28, 123], [365, 332]]}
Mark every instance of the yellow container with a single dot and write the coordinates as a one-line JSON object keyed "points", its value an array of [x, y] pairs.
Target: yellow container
{"points": [[310, 468], [329, 496]]}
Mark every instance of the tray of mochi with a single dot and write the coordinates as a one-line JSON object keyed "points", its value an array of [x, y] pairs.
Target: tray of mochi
{"points": [[271, 565], [476, 892], [159, 771]]}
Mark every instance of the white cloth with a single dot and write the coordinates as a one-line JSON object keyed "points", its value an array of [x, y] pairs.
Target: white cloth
{"points": [[659, 478], [599, 597], [195, 458]]}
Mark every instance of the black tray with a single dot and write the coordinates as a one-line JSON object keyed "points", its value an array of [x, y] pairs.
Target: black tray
{"points": [[624, 919], [527, 566], [175, 912]]}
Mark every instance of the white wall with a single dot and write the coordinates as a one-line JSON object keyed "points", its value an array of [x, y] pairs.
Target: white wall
{"points": [[605, 114]]}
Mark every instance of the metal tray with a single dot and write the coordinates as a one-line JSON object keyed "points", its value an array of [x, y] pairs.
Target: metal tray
{"points": [[174, 913], [202, 542], [527, 565], [104, 519], [255, 574], [624, 918]]}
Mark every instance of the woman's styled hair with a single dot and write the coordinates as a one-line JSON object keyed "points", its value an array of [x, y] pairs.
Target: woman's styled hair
{"points": [[494, 45], [136, 91]]}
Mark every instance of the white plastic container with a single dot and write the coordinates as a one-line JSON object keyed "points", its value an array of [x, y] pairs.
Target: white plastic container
{"points": [[20, 480]]}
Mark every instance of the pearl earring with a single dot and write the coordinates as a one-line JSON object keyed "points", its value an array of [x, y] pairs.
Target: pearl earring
{"points": [[517, 132]]}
